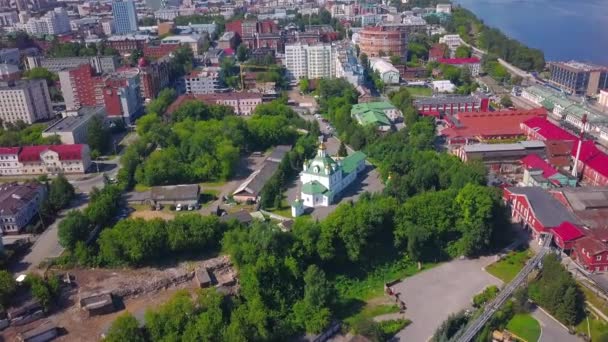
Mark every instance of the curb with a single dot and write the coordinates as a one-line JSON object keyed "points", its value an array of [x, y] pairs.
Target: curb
{"points": [[553, 318]]}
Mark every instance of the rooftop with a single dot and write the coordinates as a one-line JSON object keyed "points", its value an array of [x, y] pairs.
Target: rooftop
{"points": [[69, 123], [489, 124], [14, 196], [533, 161], [518, 146], [458, 61], [548, 130], [547, 210], [175, 192]]}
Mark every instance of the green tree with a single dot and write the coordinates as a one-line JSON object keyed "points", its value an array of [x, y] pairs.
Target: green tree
{"points": [[61, 193], [98, 136], [40, 72], [304, 85], [342, 152], [135, 56], [506, 102], [242, 53], [463, 51], [8, 286], [125, 328], [75, 227], [45, 292]]}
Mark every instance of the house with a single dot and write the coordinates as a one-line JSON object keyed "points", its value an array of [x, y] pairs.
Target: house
{"points": [[323, 179], [97, 304], [538, 172], [466, 128], [379, 114], [536, 209], [19, 204], [241, 103], [42, 333], [388, 73], [591, 254], [566, 234], [241, 216], [251, 188], [45, 159]]}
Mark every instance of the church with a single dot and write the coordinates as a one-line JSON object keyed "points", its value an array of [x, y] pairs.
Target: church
{"points": [[323, 178]]}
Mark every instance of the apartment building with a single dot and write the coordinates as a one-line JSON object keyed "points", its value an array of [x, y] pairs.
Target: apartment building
{"points": [[100, 64], [578, 78], [73, 128], [51, 23], [19, 204], [310, 61], [125, 16], [201, 82], [26, 100], [81, 87]]}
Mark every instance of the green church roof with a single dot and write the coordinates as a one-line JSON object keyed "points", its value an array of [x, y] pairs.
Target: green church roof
{"points": [[349, 164], [313, 188]]}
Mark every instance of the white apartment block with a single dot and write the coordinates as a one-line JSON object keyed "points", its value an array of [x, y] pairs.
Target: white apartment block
{"points": [[451, 40], [27, 101], [53, 22], [201, 82], [310, 61]]}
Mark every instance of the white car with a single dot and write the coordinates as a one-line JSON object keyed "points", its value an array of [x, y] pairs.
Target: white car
{"points": [[178, 207]]}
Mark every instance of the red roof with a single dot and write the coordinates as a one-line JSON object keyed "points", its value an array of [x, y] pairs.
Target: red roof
{"points": [[548, 130], [65, 152], [567, 231], [592, 157], [590, 245], [533, 161], [491, 124], [471, 60], [9, 150]]}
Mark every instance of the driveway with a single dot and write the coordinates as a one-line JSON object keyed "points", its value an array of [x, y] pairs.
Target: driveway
{"points": [[431, 296], [551, 330]]}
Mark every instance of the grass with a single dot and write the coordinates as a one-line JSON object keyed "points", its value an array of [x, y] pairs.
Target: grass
{"points": [[595, 300], [369, 312], [507, 268], [420, 91], [206, 185], [595, 325], [525, 326], [141, 188]]}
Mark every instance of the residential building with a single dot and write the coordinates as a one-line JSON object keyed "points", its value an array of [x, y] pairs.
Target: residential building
{"points": [[73, 128], [241, 103], [474, 127], [380, 114], [578, 78], [51, 23], [309, 61], [347, 64], [603, 98], [271, 40], [125, 16], [472, 63], [443, 86], [157, 51], [25, 100], [107, 26], [444, 8], [43, 159], [323, 179], [126, 43], [201, 82], [437, 51], [9, 18], [19, 204], [440, 105], [388, 73], [81, 87], [154, 76], [9, 72], [381, 41], [453, 41], [193, 41], [100, 64], [227, 41], [122, 94], [10, 56]]}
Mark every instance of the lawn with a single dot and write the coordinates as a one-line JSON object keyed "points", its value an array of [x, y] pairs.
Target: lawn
{"points": [[141, 188], [507, 268], [595, 300], [369, 312], [206, 185], [596, 326], [419, 91], [524, 326]]}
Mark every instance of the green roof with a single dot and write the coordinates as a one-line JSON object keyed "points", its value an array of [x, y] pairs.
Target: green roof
{"points": [[313, 188], [349, 164], [364, 107], [372, 118], [547, 104]]}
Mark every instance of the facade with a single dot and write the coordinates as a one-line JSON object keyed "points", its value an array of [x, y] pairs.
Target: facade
{"points": [[52, 23], [444, 8], [81, 87], [578, 78], [73, 128], [122, 94], [10, 56], [153, 76], [472, 63], [603, 99], [8, 18], [309, 61], [440, 105], [19, 204], [100, 64], [42, 159], [227, 41], [193, 41], [125, 16], [241, 103], [323, 178], [9, 72], [592, 165], [388, 73], [126, 43], [453, 41], [26, 100], [383, 41], [542, 129], [201, 82], [500, 157]]}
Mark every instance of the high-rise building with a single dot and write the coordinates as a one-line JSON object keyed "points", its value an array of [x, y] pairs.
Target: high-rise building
{"points": [[53, 22], [125, 16], [310, 61], [81, 87], [27, 101], [8, 18], [579, 78]]}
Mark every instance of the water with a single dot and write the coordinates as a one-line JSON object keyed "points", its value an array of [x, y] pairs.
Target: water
{"points": [[562, 29]]}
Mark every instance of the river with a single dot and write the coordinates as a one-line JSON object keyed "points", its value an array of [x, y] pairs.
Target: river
{"points": [[562, 29]]}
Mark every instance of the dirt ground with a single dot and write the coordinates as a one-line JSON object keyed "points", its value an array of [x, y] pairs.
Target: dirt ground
{"points": [[140, 290], [151, 214]]}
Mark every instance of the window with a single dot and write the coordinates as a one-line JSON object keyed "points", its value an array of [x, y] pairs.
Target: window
{"points": [[598, 258]]}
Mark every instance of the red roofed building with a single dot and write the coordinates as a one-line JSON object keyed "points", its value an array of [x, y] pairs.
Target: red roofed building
{"points": [[566, 234], [465, 128], [591, 253], [473, 63], [593, 164], [45, 159], [538, 128], [533, 161]]}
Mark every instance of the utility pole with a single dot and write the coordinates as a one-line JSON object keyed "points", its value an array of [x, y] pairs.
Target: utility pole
{"points": [[578, 149]]}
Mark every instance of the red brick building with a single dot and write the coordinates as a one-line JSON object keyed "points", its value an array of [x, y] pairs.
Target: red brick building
{"points": [[154, 76], [591, 253], [592, 165], [156, 51], [437, 51], [566, 234], [376, 41], [126, 45], [538, 128], [451, 104], [81, 87]]}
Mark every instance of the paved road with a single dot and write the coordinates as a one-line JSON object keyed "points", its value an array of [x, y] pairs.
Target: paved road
{"points": [[431, 296], [551, 330]]}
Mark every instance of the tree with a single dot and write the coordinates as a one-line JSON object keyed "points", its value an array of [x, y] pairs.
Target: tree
{"points": [[342, 152], [40, 72], [506, 102], [304, 85], [242, 53], [45, 292], [61, 193], [135, 56], [463, 51], [125, 328], [7, 288], [75, 227], [98, 136]]}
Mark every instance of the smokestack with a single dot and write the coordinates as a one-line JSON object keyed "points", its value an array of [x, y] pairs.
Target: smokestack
{"points": [[578, 149]]}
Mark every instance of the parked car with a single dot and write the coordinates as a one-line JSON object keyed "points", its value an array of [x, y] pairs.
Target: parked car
{"points": [[190, 207], [178, 207]]}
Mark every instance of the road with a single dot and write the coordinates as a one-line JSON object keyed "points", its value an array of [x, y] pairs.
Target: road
{"points": [[552, 331]]}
